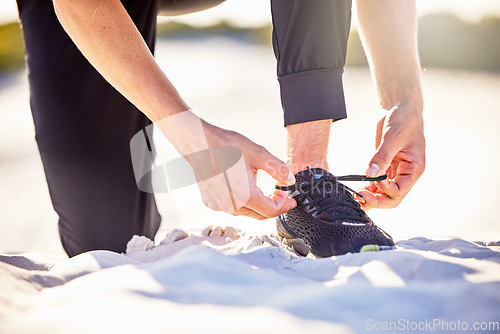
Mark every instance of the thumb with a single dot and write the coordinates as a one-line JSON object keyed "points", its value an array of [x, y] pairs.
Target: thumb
{"points": [[275, 167], [382, 159]]}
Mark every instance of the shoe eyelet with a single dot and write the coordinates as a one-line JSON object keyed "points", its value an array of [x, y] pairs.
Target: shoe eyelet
{"points": [[307, 209]]}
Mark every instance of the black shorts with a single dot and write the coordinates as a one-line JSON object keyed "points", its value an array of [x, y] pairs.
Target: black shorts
{"points": [[84, 126]]}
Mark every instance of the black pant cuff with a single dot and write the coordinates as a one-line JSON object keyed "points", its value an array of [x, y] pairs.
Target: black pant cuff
{"points": [[313, 95]]}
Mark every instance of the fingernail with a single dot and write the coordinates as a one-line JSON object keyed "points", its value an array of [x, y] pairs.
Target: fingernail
{"points": [[291, 179], [373, 170]]}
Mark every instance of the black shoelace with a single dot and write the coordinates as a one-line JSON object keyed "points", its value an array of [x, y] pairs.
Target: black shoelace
{"points": [[321, 204]]}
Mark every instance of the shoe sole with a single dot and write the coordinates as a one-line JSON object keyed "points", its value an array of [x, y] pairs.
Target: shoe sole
{"points": [[299, 245]]}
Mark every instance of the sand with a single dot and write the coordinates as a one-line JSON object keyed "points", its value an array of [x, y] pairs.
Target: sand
{"points": [[226, 281]]}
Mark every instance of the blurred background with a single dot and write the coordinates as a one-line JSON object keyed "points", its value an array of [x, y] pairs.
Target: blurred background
{"points": [[222, 62]]}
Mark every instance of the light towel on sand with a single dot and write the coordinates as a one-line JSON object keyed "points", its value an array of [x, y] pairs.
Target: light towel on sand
{"points": [[223, 281]]}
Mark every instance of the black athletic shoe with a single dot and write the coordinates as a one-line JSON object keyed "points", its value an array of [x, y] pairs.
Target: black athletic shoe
{"points": [[327, 220]]}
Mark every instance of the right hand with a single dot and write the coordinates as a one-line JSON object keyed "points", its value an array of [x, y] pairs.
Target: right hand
{"points": [[236, 192], [400, 154]]}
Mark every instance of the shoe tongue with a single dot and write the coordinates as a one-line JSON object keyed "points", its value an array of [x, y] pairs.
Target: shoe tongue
{"points": [[305, 175], [314, 173]]}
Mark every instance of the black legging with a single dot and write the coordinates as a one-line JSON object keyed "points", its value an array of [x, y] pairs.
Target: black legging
{"points": [[84, 126]]}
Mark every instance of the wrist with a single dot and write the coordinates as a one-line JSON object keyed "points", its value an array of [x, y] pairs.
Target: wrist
{"points": [[401, 92], [185, 131]]}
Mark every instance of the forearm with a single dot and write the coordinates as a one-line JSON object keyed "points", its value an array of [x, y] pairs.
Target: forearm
{"points": [[107, 36], [388, 30]]}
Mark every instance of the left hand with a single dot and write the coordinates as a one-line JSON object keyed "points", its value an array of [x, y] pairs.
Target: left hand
{"points": [[400, 153]]}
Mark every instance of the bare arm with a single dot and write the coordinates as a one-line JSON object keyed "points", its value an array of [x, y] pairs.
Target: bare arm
{"points": [[108, 38], [388, 29]]}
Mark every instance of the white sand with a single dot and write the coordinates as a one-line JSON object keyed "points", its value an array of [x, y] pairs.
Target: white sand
{"points": [[223, 282]]}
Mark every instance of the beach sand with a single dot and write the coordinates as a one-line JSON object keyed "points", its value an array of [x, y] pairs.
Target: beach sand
{"points": [[223, 281]]}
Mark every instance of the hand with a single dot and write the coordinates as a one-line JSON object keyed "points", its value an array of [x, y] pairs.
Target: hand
{"points": [[235, 191], [400, 153], [225, 164]]}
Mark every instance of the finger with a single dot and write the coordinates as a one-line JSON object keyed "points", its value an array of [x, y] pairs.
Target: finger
{"points": [[289, 204], [274, 167], [248, 213], [381, 160], [371, 187], [379, 201], [369, 199], [396, 188], [273, 206], [244, 211], [368, 190]]}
